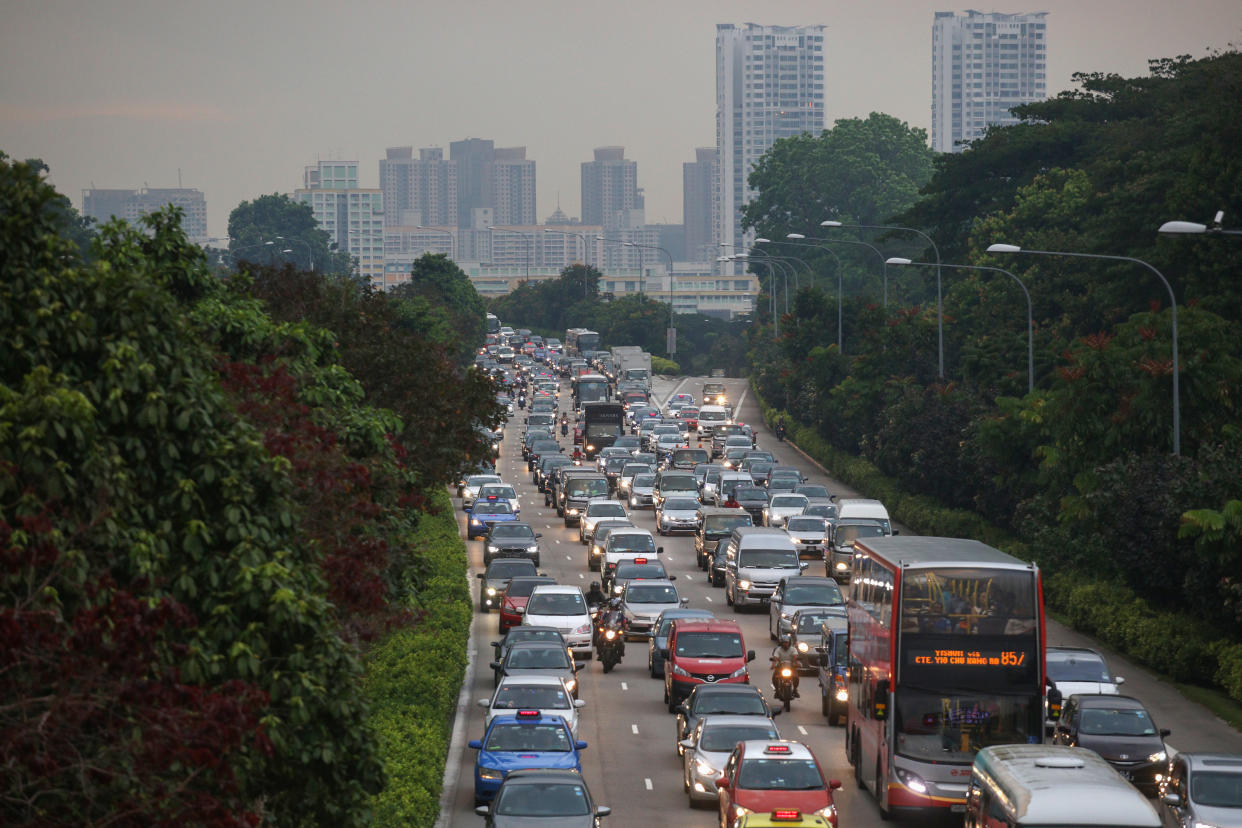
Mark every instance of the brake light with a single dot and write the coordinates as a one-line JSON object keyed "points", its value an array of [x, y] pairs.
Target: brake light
{"points": [[785, 814], [528, 714], [640, 560], [777, 749]]}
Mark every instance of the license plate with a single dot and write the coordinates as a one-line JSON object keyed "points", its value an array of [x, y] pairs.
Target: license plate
{"points": [[1126, 775], [957, 808]]}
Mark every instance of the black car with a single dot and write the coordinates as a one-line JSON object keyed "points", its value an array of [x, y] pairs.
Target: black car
{"points": [[530, 798], [1120, 729], [720, 699], [497, 577], [753, 499], [511, 540]]}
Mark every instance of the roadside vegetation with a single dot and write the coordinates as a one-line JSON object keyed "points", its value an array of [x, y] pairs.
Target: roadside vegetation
{"points": [[1142, 547], [220, 518]]}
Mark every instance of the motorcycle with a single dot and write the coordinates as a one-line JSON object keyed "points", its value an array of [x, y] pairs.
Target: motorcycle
{"points": [[522, 401], [783, 683], [780, 433], [610, 648]]}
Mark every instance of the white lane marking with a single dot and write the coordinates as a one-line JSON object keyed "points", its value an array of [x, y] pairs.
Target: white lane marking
{"points": [[674, 391], [558, 541], [709, 598], [569, 557], [634, 729], [802, 730], [737, 408], [581, 577], [625, 686], [647, 782]]}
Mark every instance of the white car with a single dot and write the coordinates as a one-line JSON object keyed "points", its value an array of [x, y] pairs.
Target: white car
{"points": [[711, 416], [677, 514], [565, 608], [642, 491], [547, 694], [473, 483], [707, 749], [597, 510], [781, 507], [1079, 670], [500, 491]]}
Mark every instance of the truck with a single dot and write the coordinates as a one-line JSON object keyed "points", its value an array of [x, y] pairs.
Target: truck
{"points": [[632, 363]]}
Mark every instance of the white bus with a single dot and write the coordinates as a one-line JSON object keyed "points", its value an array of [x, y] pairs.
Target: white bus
{"points": [[1029, 786]]}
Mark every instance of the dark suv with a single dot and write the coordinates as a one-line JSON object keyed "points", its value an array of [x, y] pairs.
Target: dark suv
{"points": [[1120, 729]]}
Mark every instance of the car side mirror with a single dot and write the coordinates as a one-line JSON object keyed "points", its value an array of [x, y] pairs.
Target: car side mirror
{"points": [[1172, 799], [688, 744], [1119, 680], [685, 601], [1165, 733], [833, 784], [750, 655], [659, 550], [580, 745], [579, 703], [722, 782], [483, 810], [484, 703], [495, 665], [539, 534], [481, 576], [803, 565], [603, 811], [896, 532], [475, 744], [674, 578]]}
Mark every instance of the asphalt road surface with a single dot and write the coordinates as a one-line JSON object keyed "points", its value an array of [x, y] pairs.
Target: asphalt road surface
{"points": [[631, 763]]}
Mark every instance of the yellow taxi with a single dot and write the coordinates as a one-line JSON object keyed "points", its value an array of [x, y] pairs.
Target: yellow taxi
{"points": [[782, 818]]}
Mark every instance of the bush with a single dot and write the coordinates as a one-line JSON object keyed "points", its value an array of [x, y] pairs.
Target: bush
{"points": [[660, 365], [414, 677]]}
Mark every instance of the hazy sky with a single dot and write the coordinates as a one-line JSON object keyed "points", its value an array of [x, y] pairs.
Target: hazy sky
{"points": [[241, 95]]}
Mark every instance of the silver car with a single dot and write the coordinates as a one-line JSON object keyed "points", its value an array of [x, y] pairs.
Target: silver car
{"points": [[708, 746], [782, 507], [642, 491], [473, 483], [643, 601], [677, 514], [1203, 789]]}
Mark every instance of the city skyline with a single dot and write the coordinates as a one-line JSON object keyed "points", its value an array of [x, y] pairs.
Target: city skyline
{"points": [[133, 93]]}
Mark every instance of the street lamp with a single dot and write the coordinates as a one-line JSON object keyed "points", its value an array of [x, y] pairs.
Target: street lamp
{"points": [[641, 278], [1030, 325], [671, 335], [530, 250], [939, 297], [1182, 228], [309, 253], [771, 261], [1177, 413]]}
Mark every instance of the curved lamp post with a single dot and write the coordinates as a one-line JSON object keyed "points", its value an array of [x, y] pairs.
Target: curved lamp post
{"points": [[840, 281], [310, 255], [1177, 415], [1030, 325], [939, 297]]}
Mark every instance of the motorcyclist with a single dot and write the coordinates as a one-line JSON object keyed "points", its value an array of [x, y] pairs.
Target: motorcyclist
{"points": [[784, 653], [731, 501], [780, 428], [611, 618], [564, 425], [595, 596], [577, 456]]}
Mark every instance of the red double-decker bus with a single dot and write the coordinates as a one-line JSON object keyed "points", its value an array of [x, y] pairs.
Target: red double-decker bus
{"points": [[946, 656]]}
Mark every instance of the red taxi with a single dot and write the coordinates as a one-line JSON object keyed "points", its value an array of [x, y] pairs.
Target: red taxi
{"points": [[763, 775]]}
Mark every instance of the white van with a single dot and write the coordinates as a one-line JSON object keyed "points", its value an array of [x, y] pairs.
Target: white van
{"points": [[711, 416], [860, 507], [857, 517], [1049, 785]]}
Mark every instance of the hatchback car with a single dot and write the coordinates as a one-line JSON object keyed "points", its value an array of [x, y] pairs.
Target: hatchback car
{"points": [[659, 635], [677, 514], [1202, 789], [563, 607], [542, 798], [762, 775], [497, 577], [642, 491], [782, 506], [719, 700], [1121, 731], [511, 540], [513, 597], [707, 748], [547, 694], [642, 601], [536, 658], [526, 739]]}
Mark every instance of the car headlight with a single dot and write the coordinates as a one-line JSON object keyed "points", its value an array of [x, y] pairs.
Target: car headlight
{"points": [[475, 521], [491, 590], [491, 547], [911, 780], [739, 811], [532, 549], [1158, 756], [703, 768], [570, 684], [843, 695], [743, 584], [796, 540], [739, 672], [491, 774], [841, 565], [680, 671], [617, 589], [829, 813], [803, 647], [573, 511]]}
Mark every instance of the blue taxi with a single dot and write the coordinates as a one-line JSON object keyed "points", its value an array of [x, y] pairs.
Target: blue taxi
{"points": [[483, 513], [524, 740]]}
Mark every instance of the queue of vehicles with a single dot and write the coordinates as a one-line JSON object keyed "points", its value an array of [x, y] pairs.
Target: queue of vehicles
{"points": [[968, 678]]}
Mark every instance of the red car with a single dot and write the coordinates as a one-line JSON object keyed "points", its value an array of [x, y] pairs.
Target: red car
{"points": [[703, 652], [513, 600], [690, 416], [761, 776]]}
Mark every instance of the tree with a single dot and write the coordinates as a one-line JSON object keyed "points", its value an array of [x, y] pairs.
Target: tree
{"points": [[261, 230], [447, 302]]}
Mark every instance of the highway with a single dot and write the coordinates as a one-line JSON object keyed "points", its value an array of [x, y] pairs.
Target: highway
{"points": [[631, 763]]}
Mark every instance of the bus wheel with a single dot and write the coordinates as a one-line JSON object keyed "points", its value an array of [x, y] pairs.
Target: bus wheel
{"points": [[856, 761]]}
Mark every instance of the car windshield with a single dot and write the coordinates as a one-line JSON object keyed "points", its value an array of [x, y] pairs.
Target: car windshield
{"points": [[769, 558], [690, 455], [724, 524], [508, 568], [737, 704], [631, 543], [779, 774], [556, 603], [813, 491], [749, 493], [824, 510], [643, 480], [723, 737], [788, 500], [477, 480], [538, 658], [816, 594], [614, 464], [680, 504], [494, 507], [807, 525], [529, 737], [587, 488], [709, 645], [605, 510], [509, 531], [810, 623], [1076, 667], [1216, 789], [633, 572], [532, 634], [538, 799], [519, 588], [847, 533], [1124, 721], [651, 594], [526, 696]]}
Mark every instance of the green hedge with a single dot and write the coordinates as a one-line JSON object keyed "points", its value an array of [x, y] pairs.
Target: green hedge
{"points": [[1172, 643], [414, 677], [660, 365]]}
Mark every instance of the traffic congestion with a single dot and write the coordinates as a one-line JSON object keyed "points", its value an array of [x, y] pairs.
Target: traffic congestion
{"points": [[667, 594]]}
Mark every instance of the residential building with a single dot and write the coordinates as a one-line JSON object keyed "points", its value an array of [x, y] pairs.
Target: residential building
{"points": [[610, 193], [474, 176], [352, 216], [769, 85], [983, 65], [698, 200], [418, 191], [513, 186], [132, 205]]}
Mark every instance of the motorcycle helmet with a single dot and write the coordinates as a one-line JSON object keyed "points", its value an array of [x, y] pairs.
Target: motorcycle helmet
{"points": [[785, 640], [594, 586]]}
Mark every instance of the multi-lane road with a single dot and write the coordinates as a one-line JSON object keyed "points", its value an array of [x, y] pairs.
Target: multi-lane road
{"points": [[631, 763]]}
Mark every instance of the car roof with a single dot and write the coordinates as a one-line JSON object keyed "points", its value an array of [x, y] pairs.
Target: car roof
{"points": [[704, 689], [706, 625], [557, 589], [595, 501], [757, 748], [626, 530], [1213, 761], [530, 679], [533, 628], [514, 523], [540, 643], [686, 612], [1074, 651], [547, 775], [1107, 700], [647, 582], [809, 579]]}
